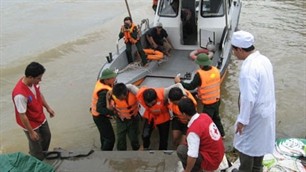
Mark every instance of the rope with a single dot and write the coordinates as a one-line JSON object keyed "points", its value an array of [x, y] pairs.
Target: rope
{"points": [[134, 66]]}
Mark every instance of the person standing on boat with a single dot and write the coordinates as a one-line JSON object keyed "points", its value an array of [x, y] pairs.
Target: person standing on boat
{"points": [[179, 121], [101, 114], [255, 124], [159, 40], [207, 81], [29, 103], [154, 6], [130, 32], [204, 149], [127, 111]]}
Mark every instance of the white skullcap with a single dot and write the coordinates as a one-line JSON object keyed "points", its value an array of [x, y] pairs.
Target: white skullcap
{"points": [[159, 24], [242, 39]]}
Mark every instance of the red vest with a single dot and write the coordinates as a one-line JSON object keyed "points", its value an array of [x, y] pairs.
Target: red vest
{"points": [[159, 112], [211, 144], [34, 111]]}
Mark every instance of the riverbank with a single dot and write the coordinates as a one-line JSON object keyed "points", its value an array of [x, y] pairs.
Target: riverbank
{"points": [[148, 161], [73, 65]]}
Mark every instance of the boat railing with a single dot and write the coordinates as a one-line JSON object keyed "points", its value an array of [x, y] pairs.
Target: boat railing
{"points": [[146, 23]]}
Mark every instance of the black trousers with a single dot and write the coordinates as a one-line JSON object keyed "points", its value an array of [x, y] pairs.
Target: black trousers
{"points": [[38, 147], [213, 111], [130, 128], [181, 152], [107, 135], [142, 54], [163, 130], [249, 163]]}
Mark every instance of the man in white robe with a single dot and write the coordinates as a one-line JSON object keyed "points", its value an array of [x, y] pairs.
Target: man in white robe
{"points": [[255, 124]]}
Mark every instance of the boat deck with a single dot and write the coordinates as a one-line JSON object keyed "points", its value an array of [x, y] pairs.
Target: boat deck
{"points": [[178, 62], [161, 73]]}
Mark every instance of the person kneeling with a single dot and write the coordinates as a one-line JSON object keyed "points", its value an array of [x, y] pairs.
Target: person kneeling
{"points": [[159, 40], [204, 149]]}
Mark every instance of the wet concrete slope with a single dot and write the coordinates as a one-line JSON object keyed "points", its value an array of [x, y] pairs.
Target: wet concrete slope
{"points": [[115, 161]]}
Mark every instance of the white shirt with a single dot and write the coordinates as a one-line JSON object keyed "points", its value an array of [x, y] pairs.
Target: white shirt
{"points": [[21, 101], [257, 106], [193, 140]]}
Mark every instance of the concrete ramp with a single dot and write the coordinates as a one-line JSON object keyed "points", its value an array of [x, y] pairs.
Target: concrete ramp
{"points": [[119, 161]]}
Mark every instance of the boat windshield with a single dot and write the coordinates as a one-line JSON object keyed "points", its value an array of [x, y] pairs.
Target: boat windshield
{"points": [[168, 8], [212, 8]]}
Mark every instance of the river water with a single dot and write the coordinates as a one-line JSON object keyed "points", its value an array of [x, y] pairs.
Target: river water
{"points": [[71, 39]]}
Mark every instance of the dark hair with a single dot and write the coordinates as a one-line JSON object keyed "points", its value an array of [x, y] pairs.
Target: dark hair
{"points": [[34, 69], [251, 48], [120, 89], [186, 106], [128, 18], [149, 95], [175, 94]]}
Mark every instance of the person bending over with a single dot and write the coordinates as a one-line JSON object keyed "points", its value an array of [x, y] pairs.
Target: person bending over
{"points": [[204, 149]]}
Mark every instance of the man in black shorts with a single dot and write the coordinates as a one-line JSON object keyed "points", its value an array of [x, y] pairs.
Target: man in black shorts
{"points": [[179, 121]]}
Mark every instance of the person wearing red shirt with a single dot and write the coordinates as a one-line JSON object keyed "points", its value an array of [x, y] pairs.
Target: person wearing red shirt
{"points": [[29, 103], [204, 149]]}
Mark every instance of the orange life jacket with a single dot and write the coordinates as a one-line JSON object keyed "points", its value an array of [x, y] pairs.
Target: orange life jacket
{"points": [[126, 108], [98, 87], [153, 54], [158, 112], [209, 91], [174, 108], [127, 35]]}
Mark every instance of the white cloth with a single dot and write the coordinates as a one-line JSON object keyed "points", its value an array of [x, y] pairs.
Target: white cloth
{"points": [[193, 140], [134, 89], [242, 39], [257, 106]]}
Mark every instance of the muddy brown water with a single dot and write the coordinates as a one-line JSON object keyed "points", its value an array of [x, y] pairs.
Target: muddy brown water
{"points": [[72, 46]]}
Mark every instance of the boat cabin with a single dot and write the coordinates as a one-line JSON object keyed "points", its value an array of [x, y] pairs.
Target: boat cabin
{"points": [[192, 26], [194, 23]]}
